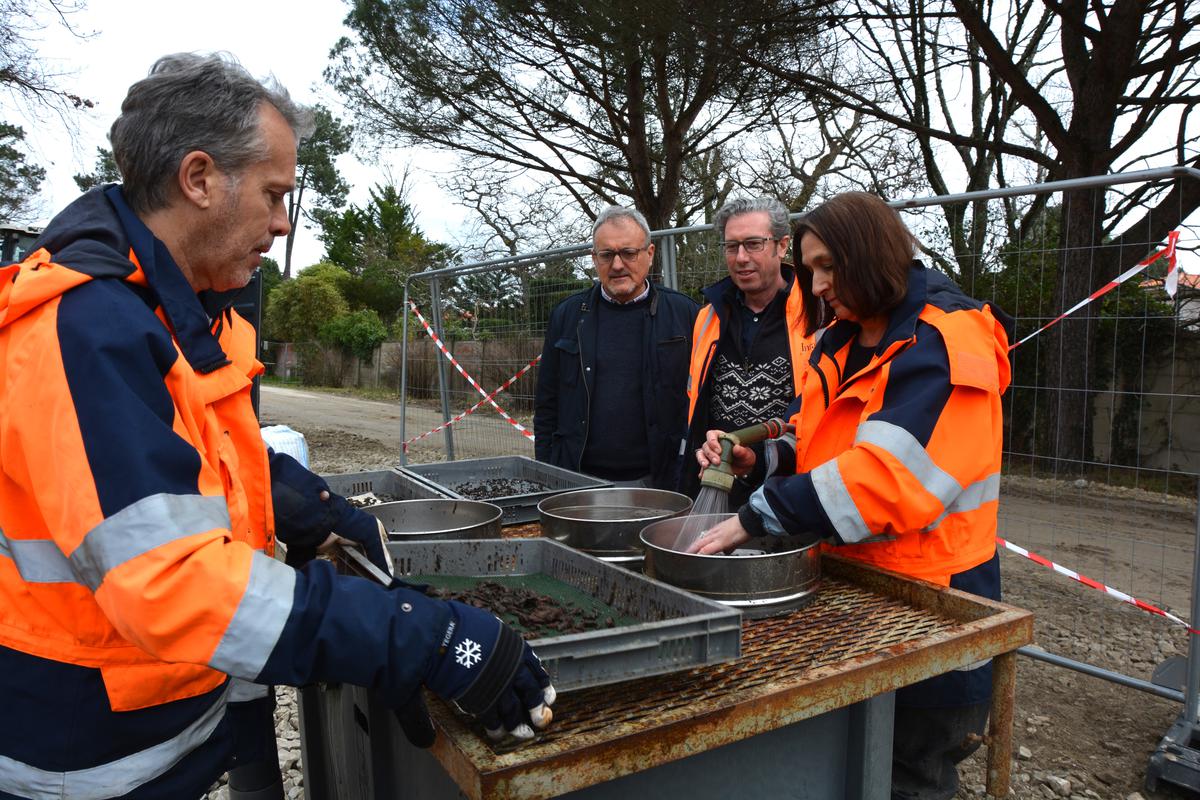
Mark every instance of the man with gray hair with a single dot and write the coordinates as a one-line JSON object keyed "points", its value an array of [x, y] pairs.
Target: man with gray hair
{"points": [[752, 338], [143, 616], [610, 391]]}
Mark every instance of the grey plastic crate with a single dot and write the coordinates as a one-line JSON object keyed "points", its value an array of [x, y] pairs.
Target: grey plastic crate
{"points": [[518, 508], [677, 630], [391, 482]]}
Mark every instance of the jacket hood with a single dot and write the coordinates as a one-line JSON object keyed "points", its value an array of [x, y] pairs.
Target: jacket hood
{"points": [[978, 340], [974, 341], [99, 236], [83, 232]]}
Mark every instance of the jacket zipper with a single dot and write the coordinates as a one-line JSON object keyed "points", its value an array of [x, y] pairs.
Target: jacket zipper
{"points": [[587, 394]]}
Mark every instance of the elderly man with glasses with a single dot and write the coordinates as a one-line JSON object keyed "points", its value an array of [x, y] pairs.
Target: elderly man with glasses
{"points": [[611, 396], [752, 338]]}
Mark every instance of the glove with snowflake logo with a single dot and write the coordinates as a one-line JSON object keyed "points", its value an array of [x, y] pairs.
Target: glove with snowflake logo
{"points": [[486, 669]]}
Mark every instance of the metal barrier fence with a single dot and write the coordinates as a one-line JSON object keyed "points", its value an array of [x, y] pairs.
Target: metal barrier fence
{"points": [[1102, 440]]}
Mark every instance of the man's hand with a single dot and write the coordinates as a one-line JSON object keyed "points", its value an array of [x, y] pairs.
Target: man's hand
{"points": [[709, 455], [309, 516], [363, 530], [486, 669], [723, 537]]}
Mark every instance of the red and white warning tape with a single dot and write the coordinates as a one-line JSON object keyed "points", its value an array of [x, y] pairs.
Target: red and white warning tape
{"points": [[454, 362], [1095, 584], [1167, 252], [478, 405]]}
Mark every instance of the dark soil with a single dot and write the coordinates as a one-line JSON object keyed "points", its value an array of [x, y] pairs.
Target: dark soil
{"points": [[533, 615], [488, 488], [371, 499]]}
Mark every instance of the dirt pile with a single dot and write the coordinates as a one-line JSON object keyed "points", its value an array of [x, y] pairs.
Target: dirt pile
{"points": [[371, 499], [534, 615], [489, 488]]}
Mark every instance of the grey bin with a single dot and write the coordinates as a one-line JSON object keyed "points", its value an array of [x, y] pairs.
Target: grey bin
{"points": [[392, 482], [350, 741], [519, 508], [676, 630]]}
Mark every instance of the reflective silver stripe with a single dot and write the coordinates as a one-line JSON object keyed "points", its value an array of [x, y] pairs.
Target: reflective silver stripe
{"points": [[972, 498], [838, 505], [259, 619], [976, 665], [240, 691], [772, 458], [760, 506], [712, 313], [788, 440], [38, 561], [909, 452], [115, 778], [142, 526]]}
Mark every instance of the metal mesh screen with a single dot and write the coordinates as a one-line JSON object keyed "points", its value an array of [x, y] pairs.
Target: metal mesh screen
{"points": [[1102, 418]]}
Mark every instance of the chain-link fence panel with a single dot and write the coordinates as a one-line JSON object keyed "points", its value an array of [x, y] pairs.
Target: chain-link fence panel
{"points": [[1102, 419]]}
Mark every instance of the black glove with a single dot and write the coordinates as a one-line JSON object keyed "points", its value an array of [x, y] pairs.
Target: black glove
{"points": [[412, 715], [414, 720], [363, 529], [306, 512], [489, 672]]}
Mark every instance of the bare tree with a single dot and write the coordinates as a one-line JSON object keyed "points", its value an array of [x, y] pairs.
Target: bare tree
{"points": [[1031, 89], [512, 213], [610, 99], [24, 70], [828, 151]]}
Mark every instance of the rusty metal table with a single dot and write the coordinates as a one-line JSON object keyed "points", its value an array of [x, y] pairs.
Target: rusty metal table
{"points": [[867, 633]]}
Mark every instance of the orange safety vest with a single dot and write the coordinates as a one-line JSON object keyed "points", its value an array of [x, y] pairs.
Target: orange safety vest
{"points": [[925, 511], [63, 601], [706, 333]]}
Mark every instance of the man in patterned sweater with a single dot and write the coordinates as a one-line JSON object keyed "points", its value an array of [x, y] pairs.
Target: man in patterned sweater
{"points": [[751, 340]]}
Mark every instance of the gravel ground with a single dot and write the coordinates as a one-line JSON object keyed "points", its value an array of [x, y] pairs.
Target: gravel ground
{"points": [[1074, 737]]}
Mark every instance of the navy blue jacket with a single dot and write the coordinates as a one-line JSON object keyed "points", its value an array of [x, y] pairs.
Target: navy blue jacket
{"points": [[61, 735], [566, 380]]}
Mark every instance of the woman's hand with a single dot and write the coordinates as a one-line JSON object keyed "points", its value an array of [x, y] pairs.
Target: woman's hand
{"points": [[709, 455], [721, 538]]}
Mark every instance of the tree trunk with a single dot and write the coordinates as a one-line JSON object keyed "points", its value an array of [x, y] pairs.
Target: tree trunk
{"points": [[1067, 436], [287, 254]]}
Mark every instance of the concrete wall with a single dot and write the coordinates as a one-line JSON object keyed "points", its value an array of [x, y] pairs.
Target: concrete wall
{"points": [[1168, 414]]}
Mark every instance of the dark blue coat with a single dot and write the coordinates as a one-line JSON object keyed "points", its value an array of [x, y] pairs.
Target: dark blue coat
{"points": [[566, 379]]}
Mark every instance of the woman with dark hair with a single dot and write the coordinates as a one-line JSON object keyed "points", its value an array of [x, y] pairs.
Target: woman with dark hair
{"points": [[898, 438]]}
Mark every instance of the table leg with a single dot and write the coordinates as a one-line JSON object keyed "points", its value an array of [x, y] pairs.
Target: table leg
{"points": [[999, 754]]}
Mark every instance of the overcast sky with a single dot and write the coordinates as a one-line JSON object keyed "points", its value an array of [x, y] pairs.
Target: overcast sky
{"points": [[119, 41], [289, 40]]}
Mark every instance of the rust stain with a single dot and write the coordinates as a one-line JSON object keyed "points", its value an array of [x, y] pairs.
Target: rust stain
{"points": [[866, 633]]}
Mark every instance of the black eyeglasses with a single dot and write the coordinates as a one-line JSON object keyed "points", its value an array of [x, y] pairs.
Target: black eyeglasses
{"points": [[626, 254], [754, 244]]}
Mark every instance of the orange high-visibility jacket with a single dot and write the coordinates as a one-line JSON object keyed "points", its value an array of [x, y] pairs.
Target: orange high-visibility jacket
{"points": [[706, 334], [136, 528], [900, 462]]}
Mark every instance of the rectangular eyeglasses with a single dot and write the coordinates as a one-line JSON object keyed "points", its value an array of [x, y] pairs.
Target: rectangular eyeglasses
{"points": [[626, 253], [754, 244]]}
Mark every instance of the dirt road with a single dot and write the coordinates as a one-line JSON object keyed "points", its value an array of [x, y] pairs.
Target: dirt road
{"points": [[482, 434], [1093, 735]]}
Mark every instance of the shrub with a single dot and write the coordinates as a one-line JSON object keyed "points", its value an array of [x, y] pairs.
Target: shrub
{"points": [[356, 332]]}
